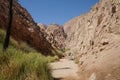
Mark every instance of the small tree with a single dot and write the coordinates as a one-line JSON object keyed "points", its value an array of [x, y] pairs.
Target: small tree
{"points": [[10, 16]]}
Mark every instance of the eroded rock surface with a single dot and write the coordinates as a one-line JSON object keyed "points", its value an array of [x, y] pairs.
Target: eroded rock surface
{"points": [[55, 35], [24, 28], [95, 39]]}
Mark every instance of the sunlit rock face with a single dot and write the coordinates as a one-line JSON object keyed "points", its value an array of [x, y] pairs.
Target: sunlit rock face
{"points": [[54, 34], [57, 35], [95, 39], [94, 29]]}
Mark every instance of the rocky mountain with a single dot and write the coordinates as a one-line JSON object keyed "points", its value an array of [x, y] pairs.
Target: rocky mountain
{"points": [[24, 28], [95, 39], [42, 27], [54, 34]]}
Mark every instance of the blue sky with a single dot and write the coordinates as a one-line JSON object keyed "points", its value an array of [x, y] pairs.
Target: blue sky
{"points": [[56, 11]]}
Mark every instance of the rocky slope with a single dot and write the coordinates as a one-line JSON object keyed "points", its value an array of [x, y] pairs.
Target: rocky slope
{"points": [[23, 27], [95, 38], [54, 34]]}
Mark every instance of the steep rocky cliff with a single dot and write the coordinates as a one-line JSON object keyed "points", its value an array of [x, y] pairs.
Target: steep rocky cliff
{"points": [[54, 34], [94, 28], [95, 38], [23, 27]]}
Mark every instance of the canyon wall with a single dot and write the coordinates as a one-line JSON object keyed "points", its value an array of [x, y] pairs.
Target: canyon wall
{"points": [[55, 35], [24, 29], [94, 38]]}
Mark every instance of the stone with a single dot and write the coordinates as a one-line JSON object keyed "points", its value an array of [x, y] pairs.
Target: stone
{"points": [[24, 29], [97, 33]]}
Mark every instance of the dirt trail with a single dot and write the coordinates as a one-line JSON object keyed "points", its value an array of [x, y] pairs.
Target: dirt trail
{"points": [[64, 70]]}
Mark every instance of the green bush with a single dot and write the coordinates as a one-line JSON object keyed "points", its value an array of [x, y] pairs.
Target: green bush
{"points": [[21, 62], [2, 35], [52, 59], [23, 46], [20, 66], [58, 53]]}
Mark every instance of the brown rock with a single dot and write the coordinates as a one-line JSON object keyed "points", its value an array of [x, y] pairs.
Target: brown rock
{"points": [[24, 28], [42, 27], [55, 35]]}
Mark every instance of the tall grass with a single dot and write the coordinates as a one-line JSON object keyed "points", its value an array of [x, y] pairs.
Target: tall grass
{"points": [[21, 62]]}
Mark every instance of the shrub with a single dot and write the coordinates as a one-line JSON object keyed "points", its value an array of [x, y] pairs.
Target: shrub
{"points": [[52, 59], [20, 63], [2, 35]]}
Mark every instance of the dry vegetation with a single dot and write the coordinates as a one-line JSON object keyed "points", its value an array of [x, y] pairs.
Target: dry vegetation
{"points": [[21, 62]]}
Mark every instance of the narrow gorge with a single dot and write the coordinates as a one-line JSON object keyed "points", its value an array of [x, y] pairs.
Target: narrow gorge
{"points": [[92, 39]]}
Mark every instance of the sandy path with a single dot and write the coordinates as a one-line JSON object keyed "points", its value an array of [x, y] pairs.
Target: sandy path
{"points": [[65, 70]]}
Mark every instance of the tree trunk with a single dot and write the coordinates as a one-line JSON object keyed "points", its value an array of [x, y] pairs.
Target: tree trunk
{"points": [[10, 16]]}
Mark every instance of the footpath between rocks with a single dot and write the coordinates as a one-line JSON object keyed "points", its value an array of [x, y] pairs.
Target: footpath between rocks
{"points": [[64, 69]]}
